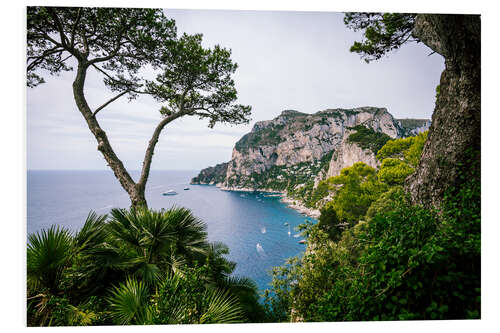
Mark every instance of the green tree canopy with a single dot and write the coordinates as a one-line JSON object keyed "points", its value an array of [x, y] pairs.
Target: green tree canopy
{"points": [[355, 189], [382, 32]]}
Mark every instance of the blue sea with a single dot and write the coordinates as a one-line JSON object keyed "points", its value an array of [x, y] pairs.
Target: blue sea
{"points": [[251, 224]]}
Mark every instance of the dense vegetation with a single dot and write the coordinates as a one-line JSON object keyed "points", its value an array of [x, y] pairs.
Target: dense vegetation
{"points": [[367, 138], [376, 256], [138, 266]]}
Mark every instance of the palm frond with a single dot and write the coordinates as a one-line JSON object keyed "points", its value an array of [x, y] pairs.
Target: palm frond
{"points": [[48, 253], [93, 232], [240, 283], [223, 308], [129, 302]]}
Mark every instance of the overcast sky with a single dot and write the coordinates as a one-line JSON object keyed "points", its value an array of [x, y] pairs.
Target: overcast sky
{"points": [[287, 60]]}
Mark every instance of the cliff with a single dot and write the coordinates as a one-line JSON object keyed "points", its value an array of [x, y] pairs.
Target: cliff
{"points": [[211, 175], [454, 140], [294, 151]]}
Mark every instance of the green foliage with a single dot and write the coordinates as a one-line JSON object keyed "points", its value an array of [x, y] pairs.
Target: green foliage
{"points": [[393, 171], [198, 81], [355, 189], [329, 222], [407, 149], [406, 262], [48, 254], [382, 32], [399, 158], [386, 202], [129, 303], [188, 300], [367, 138], [122, 40]]}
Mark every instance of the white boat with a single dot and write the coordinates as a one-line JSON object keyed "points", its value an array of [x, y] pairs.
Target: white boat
{"points": [[296, 235], [302, 241], [289, 233], [171, 192], [186, 189]]}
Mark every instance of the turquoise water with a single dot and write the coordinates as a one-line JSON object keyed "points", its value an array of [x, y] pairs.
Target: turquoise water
{"points": [[251, 224]]}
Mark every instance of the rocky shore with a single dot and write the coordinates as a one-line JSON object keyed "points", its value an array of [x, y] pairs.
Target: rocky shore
{"points": [[290, 202]]}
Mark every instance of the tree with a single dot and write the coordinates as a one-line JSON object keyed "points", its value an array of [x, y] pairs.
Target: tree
{"points": [[355, 189], [119, 43], [456, 121]]}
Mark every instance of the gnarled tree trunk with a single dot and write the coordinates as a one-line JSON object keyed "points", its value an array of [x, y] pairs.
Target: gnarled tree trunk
{"points": [[456, 121], [135, 192]]}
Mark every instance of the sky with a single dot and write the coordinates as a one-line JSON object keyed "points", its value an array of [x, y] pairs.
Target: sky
{"points": [[287, 60]]}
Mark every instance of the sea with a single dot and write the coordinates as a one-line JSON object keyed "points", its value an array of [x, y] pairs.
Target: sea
{"points": [[259, 230]]}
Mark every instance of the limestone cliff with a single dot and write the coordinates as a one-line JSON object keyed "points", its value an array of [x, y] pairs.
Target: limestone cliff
{"points": [[295, 138], [349, 153]]}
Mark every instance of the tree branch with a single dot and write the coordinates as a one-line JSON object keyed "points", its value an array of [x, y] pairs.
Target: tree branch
{"points": [[112, 54], [117, 81], [64, 39], [73, 29], [109, 102], [148, 156]]}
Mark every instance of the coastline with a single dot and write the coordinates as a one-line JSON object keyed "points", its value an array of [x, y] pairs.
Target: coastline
{"points": [[292, 203]]}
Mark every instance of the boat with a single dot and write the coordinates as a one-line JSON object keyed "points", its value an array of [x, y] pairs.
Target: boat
{"points": [[186, 189], [286, 223], [289, 233], [171, 192], [302, 241], [296, 235]]}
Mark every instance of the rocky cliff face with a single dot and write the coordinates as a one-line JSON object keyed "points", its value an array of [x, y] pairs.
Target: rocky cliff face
{"points": [[294, 138], [296, 149], [349, 153], [456, 121], [211, 175], [412, 127]]}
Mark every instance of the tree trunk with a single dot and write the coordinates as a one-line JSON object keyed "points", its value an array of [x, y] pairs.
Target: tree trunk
{"points": [[456, 121], [136, 193]]}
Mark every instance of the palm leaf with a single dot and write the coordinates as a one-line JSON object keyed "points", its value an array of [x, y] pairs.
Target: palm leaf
{"points": [[48, 253], [129, 302], [223, 308], [92, 234]]}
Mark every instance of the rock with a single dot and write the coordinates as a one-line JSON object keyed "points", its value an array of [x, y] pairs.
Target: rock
{"points": [[349, 153], [455, 131], [211, 175]]}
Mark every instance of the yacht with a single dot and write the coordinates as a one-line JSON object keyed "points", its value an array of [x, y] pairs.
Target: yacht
{"points": [[171, 192]]}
